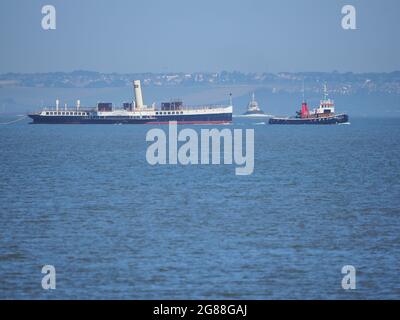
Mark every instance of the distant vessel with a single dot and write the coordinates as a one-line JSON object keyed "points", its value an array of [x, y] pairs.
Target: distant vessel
{"points": [[135, 113], [324, 114], [253, 109]]}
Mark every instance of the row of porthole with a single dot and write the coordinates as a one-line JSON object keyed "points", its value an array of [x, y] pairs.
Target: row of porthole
{"points": [[65, 113], [131, 117], [169, 112]]}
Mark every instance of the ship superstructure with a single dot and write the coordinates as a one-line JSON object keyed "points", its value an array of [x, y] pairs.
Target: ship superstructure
{"points": [[135, 112]]}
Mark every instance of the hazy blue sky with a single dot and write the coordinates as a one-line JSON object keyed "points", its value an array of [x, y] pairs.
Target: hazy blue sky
{"points": [[194, 35]]}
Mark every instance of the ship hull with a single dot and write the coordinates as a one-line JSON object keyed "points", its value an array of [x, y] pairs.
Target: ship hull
{"points": [[219, 118], [340, 118]]}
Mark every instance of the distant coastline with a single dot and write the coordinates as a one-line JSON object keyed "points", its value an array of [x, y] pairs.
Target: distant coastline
{"points": [[339, 83]]}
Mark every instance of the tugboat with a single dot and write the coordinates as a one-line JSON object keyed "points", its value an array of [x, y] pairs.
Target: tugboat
{"points": [[253, 110], [324, 114]]}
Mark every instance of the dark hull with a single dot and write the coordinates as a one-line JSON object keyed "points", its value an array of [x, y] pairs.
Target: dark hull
{"points": [[182, 119], [340, 118]]}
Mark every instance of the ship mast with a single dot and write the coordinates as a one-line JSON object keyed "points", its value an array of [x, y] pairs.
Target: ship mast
{"points": [[325, 92]]}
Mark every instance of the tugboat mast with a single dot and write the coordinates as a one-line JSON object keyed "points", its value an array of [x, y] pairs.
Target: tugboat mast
{"points": [[325, 92]]}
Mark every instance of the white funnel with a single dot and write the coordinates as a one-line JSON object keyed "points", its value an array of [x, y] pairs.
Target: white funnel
{"points": [[138, 94]]}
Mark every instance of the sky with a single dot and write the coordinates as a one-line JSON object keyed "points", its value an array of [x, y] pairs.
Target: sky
{"points": [[128, 36]]}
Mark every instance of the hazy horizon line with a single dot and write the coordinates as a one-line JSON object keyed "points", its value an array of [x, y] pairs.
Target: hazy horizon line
{"points": [[193, 72]]}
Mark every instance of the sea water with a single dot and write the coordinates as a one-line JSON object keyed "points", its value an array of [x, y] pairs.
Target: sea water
{"points": [[84, 199]]}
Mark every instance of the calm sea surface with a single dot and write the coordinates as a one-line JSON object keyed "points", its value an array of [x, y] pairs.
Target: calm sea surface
{"points": [[84, 199]]}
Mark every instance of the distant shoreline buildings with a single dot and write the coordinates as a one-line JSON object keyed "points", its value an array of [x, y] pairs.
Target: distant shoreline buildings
{"points": [[339, 83]]}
